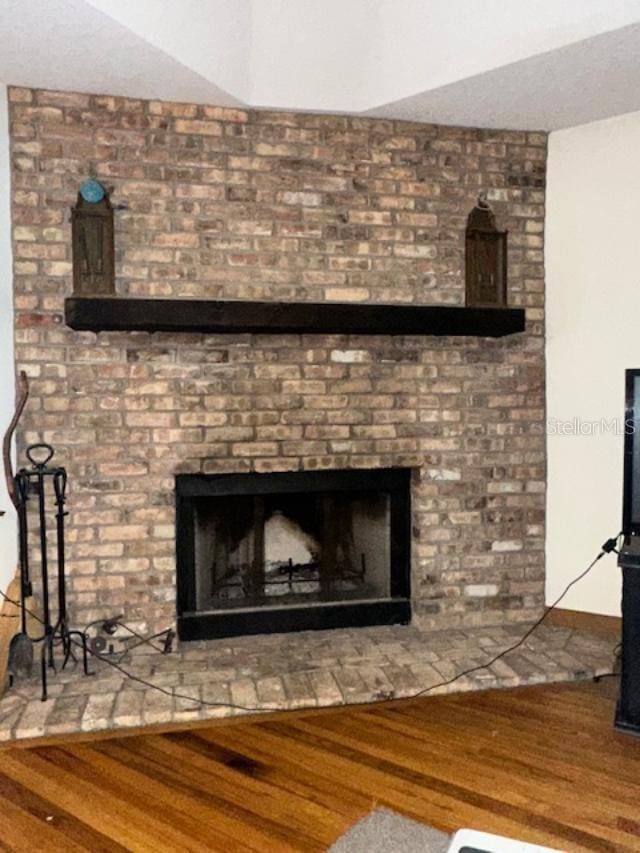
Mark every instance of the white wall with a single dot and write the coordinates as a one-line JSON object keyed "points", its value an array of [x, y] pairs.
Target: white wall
{"points": [[8, 555], [310, 53], [212, 38], [593, 334]]}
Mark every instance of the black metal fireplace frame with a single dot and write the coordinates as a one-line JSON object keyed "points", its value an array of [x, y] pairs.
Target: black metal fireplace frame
{"points": [[199, 625]]}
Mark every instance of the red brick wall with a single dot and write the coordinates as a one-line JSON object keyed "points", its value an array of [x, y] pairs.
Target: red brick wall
{"points": [[224, 203]]}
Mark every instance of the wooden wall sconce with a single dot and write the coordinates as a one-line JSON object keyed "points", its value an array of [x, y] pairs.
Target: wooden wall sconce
{"points": [[92, 242], [485, 258]]}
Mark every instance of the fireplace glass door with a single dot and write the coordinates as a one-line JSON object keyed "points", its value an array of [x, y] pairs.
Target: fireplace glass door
{"points": [[258, 543]]}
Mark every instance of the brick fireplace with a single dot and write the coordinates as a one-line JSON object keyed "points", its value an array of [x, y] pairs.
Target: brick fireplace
{"points": [[227, 204]]}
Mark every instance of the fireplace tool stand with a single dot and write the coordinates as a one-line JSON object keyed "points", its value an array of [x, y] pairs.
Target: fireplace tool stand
{"points": [[57, 635]]}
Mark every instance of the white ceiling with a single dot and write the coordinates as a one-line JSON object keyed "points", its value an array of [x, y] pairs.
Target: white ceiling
{"points": [[539, 64]]}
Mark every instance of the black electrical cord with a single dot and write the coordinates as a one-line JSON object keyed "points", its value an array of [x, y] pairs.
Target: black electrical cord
{"points": [[142, 640], [609, 546], [110, 625]]}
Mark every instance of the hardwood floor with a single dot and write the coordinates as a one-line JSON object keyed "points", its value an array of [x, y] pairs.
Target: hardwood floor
{"points": [[540, 763]]}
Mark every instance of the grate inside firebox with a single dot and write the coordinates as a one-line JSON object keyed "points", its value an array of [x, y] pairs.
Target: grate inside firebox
{"points": [[277, 550]]}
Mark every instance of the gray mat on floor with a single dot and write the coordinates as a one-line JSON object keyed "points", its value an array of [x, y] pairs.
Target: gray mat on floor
{"points": [[384, 831]]}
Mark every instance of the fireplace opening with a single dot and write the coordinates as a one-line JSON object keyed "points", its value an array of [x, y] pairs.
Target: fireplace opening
{"points": [[258, 553]]}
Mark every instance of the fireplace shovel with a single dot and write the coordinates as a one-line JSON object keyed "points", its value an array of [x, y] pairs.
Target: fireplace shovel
{"points": [[20, 661]]}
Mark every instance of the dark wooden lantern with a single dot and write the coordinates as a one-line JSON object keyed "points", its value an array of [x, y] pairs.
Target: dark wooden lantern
{"points": [[93, 247], [485, 258]]}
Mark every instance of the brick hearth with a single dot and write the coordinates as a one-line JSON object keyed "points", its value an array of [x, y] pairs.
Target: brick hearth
{"points": [[321, 668], [223, 203]]}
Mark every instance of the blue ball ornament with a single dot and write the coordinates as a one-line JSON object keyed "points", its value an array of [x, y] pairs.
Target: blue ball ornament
{"points": [[91, 191]]}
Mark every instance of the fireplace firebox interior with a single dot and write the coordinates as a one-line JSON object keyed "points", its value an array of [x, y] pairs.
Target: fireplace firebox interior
{"points": [[273, 552]]}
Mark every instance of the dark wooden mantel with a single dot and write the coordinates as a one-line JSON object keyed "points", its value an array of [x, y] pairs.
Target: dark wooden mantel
{"points": [[97, 314]]}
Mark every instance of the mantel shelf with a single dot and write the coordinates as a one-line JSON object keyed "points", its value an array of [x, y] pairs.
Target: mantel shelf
{"points": [[98, 314]]}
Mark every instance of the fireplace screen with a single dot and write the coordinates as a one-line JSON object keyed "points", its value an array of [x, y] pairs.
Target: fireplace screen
{"points": [[267, 543]]}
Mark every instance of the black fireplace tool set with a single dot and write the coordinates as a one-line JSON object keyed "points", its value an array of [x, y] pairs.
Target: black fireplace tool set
{"points": [[37, 483]]}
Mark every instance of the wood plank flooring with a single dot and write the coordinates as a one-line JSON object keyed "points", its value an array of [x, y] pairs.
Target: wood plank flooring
{"points": [[542, 764]]}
